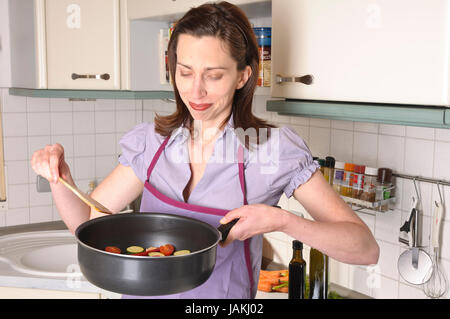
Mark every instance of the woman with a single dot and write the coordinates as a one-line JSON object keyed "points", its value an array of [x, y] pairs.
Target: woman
{"points": [[215, 161]]}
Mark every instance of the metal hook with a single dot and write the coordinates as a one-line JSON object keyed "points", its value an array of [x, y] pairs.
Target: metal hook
{"points": [[417, 192], [440, 195]]}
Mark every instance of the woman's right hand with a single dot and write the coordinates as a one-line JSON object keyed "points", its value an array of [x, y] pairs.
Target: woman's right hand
{"points": [[49, 163]]}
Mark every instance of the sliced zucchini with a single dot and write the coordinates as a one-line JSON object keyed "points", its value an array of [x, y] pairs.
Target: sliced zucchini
{"points": [[181, 252], [135, 249], [155, 254]]}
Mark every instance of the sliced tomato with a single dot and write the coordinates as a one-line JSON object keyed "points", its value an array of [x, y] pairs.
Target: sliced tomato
{"points": [[167, 249], [143, 253], [152, 249], [113, 249]]}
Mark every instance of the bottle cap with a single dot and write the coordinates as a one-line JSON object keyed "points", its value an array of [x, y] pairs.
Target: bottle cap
{"points": [[372, 171], [349, 167], [321, 162], [384, 175], [340, 165], [330, 161], [297, 244]]}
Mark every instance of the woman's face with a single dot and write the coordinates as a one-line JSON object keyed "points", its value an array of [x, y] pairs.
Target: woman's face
{"points": [[207, 77]]}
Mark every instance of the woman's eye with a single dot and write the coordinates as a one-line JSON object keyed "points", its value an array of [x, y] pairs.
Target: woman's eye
{"points": [[185, 74], [215, 76]]}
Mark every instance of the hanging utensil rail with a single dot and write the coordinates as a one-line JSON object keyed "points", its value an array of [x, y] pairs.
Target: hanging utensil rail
{"points": [[422, 179]]}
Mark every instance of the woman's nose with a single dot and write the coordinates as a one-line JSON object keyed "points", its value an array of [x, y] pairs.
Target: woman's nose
{"points": [[198, 88]]}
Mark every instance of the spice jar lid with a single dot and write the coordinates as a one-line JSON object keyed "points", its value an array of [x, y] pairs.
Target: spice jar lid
{"points": [[330, 161], [349, 167], [384, 175], [372, 171], [321, 162], [339, 165]]}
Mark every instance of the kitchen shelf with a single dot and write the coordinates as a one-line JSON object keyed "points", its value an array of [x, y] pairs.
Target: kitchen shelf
{"points": [[411, 115], [93, 94], [378, 206]]}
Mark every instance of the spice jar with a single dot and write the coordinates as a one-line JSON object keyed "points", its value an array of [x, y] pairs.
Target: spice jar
{"points": [[329, 169], [264, 37], [384, 186], [321, 162], [347, 180], [358, 181], [338, 176], [370, 184]]}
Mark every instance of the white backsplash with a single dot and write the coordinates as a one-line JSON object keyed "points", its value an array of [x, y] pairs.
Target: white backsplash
{"points": [[89, 132]]}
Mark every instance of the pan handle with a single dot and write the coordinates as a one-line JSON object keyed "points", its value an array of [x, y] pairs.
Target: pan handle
{"points": [[224, 229]]}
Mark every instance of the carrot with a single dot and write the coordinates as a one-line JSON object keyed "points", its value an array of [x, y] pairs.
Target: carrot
{"points": [[264, 286]]}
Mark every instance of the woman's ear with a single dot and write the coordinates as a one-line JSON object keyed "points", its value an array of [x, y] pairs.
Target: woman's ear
{"points": [[244, 75]]}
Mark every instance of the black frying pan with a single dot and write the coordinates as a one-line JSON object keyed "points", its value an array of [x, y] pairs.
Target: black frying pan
{"points": [[148, 276]]}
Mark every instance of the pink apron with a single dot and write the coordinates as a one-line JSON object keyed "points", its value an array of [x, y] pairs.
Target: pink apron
{"points": [[233, 274]]}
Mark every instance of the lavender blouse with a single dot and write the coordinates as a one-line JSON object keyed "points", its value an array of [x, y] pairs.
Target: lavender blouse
{"points": [[280, 165]]}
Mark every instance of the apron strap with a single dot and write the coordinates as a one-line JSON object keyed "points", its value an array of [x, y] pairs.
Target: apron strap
{"points": [[156, 157]]}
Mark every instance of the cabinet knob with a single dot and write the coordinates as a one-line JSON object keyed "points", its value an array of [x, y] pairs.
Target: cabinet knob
{"points": [[306, 79], [91, 76]]}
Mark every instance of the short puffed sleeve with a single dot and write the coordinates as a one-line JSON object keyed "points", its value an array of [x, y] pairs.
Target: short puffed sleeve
{"points": [[135, 145], [293, 162]]}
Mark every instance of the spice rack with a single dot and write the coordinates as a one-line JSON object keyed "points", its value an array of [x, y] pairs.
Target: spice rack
{"points": [[377, 206]]}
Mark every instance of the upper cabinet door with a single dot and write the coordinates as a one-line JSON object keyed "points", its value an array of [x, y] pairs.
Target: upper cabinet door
{"points": [[361, 50], [83, 44]]}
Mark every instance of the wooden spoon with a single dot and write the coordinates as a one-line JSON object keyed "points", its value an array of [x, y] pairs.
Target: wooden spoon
{"points": [[86, 198]]}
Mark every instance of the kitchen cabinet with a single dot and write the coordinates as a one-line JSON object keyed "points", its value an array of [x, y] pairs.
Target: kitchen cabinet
{"points": [[83, 44], [62, 44], [22, 44], [148, 21], [170, 9], [375, 51]]}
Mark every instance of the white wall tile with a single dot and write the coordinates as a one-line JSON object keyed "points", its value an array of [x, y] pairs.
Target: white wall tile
{"points": [[39, 124], [366, 127], [61, 105], [62, 123], [388, 289], [319, 141], [387, 226], [13, 103], [83, 123], [16, 148], [15, 124], [38, 104], [17, 172], [105, 122], [18, 196], [17, 216], [419, 157], [387, 261], [41, 214], [365, 149], [105, 144], [84, 145], [442, 161], [391, 152], [125, 121], [387, 129], [420, 132], [36, 143], [342, 145], [84, 167]]}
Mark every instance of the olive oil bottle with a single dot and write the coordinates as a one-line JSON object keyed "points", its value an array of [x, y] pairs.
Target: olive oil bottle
{"points": [[318, 275], [297, 272]]}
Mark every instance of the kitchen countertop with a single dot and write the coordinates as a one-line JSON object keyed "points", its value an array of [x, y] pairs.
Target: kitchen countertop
{"points": [[342, 291], [10, 277]]}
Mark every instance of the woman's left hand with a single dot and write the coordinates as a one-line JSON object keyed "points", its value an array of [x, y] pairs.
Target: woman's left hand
{"points": [[253, 220]]}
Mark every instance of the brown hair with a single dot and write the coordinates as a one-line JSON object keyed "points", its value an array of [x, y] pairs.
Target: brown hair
{"points": [[230, 24]]}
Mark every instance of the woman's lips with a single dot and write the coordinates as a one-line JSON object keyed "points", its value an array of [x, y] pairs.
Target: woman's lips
{"points": [[200, 107]]}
